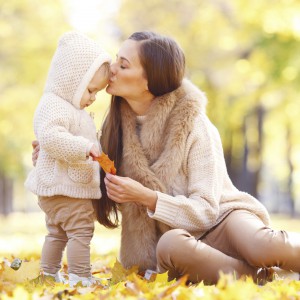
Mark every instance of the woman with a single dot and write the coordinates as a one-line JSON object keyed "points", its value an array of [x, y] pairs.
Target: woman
{"points": [[180, 210]]}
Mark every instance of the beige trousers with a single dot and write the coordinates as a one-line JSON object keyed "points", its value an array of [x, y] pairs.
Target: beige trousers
{"points": [[240, 244], [70, 222]]}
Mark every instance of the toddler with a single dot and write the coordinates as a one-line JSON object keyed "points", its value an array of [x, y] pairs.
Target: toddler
{"points": [[66, 178]]}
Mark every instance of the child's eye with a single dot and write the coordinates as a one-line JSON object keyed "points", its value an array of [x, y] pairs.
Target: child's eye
{"points": [[122, 67], [90, 91]]}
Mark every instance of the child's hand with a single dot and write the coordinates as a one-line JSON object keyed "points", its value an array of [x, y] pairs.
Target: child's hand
{"points": [[94, 152]]}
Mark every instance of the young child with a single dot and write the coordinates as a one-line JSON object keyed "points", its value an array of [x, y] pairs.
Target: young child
{"points": [[66, 178]]}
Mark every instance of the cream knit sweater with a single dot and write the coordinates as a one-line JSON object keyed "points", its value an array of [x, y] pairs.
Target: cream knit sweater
{"points": [[64, 131], [178, 153], [203, 194]]}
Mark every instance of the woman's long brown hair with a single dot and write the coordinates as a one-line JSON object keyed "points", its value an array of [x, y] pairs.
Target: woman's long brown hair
{"points": [[164, 63], [111, 142]]}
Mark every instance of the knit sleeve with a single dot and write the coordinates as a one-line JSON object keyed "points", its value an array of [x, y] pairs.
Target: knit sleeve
{"points": [[54, 121], [198, 208]]}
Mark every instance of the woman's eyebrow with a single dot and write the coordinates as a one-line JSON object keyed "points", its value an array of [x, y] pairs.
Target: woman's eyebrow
{"points": [[123, 58]]}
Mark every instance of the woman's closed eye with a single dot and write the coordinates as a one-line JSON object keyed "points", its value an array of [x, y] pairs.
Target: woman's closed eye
{"points": [[122, 62]]}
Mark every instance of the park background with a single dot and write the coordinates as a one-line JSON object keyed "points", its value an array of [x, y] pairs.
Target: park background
{"points": [[243, 54]]}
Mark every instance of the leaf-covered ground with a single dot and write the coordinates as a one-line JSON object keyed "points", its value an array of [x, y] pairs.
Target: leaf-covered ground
{"points": [[21, 236]]}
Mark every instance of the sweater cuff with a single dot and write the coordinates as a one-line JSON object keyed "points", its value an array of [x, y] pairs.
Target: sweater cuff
{"points": [[166, 208]]}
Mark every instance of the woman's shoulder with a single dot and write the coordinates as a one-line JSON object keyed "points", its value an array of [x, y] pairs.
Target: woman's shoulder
{"points": [[191, 92], [203, 132]]}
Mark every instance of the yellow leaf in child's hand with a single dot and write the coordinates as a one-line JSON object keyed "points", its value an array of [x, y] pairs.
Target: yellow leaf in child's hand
{"points": [[106, 164], [27, 271]]}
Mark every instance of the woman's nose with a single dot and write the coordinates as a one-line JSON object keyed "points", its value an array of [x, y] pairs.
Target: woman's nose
{"points": [[113, 68]]}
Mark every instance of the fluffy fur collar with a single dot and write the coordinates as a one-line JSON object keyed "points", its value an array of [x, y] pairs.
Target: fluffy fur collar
{"points": [[154, 159]]}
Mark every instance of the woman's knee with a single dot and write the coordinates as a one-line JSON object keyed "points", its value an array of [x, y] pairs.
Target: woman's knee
{"points": [[273, 248], [170, 241]]}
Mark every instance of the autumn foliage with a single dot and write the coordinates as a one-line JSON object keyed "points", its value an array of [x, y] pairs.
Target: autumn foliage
{"points": [[106, 164], [21, 238], [118, 283]]}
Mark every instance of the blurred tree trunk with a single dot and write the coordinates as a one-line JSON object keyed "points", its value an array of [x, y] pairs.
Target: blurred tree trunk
{"points": [[247, 179], [290, 185], [6, 195], [228, 155]]}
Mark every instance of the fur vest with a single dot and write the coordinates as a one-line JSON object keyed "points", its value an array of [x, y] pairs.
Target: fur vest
{"points": [[177, 153], [154, 158]]}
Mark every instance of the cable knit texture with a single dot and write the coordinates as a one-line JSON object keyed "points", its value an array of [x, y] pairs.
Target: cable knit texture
{"points": [[178, 153], [64, 131]]}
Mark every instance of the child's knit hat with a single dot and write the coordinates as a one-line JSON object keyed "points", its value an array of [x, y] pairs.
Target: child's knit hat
{"points": [[73, 65]]}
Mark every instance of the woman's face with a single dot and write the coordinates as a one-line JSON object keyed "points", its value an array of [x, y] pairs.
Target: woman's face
{"points": [[127, 74]]}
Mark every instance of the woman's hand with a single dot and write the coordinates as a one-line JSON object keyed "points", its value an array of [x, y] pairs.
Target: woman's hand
{"points": [[35, 152], [124, 189]]}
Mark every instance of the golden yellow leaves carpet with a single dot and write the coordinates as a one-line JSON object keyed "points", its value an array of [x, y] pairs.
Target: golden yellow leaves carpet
{"points": [[21, 236], [117, 283]]}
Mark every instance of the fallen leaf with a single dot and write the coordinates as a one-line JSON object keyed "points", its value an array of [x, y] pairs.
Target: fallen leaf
{"points": [[27, 271], [106, 164], [180, 282], [119, 273]]}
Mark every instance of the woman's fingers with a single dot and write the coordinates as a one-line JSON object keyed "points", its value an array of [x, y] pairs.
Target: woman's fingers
{"points": [[115, 196], [110, 185], [112, 178], [124, 189], [115, 188]]}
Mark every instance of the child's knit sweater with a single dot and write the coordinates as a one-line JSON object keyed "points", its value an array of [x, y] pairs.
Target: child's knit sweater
{"points": [[64, 131]]}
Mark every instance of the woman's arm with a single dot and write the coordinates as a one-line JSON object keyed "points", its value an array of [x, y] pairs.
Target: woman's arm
{"points": [[196, 204], [124, 189], [196, 208]]}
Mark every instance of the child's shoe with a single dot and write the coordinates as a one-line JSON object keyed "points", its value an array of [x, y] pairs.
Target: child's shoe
{"points": [[58, 277], [85, 281]]}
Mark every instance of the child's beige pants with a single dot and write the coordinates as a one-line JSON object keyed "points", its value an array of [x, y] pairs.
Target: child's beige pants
{"points": [[240, 244], [70, 222]]}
